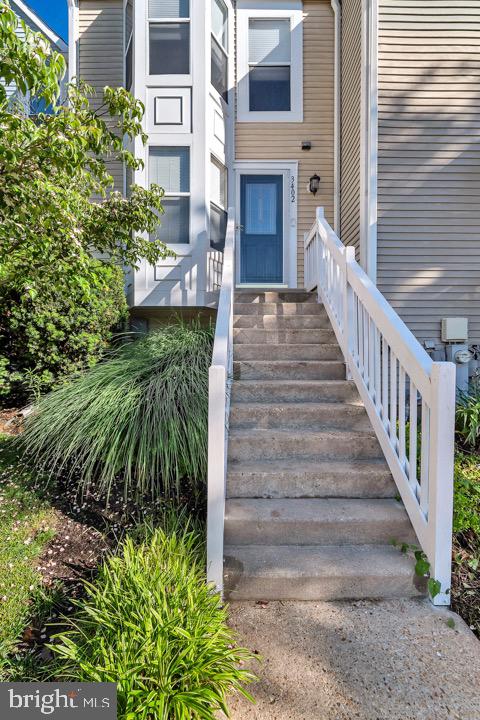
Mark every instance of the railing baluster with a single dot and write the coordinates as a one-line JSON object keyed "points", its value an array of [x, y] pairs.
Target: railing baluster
{"points": [[424, 453], [401, 418], [413, 439], [393, 399]]}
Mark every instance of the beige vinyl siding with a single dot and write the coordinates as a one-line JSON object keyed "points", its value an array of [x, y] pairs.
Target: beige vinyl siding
{"points": [[282, 141], [350, 113], [429, 161], [101, 35]]}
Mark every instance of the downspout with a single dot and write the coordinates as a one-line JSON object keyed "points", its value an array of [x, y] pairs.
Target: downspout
{"points": [[337, 11], [72, 39]]}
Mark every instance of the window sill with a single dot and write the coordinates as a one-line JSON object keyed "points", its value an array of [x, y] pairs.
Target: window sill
{"points": [[290, 116]]}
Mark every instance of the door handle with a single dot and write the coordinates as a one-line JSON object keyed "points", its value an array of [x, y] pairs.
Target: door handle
{"points": [[239, 227]]}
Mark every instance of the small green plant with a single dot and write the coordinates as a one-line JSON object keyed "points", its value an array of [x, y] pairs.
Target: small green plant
{"points": [[467, 417], [466, 504], [139, 417], [151, 624], [422, 566]]}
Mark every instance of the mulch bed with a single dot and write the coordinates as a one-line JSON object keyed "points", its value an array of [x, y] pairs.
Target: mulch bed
{"points": [[466, 580]]}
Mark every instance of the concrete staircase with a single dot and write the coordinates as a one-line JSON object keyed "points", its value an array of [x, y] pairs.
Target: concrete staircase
{"points": [[311, 505]]}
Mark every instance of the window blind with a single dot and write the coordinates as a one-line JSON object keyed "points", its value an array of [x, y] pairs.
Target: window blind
{"points": [[169, 167], [168, 8], [269, 40]]}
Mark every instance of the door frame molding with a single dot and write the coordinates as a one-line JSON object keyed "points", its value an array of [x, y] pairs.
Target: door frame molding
{"points": [[289, 168]]}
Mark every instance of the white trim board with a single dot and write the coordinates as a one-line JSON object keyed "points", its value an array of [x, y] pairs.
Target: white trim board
{"points": [[289, 169], [369, 139]]}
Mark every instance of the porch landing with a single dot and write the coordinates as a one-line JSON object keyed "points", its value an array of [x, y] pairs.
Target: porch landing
{"points": [[364, 660]]}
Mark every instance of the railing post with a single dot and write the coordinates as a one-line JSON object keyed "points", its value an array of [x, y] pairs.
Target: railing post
{"points": [[348, 310], [440, 464], [216, 474]]}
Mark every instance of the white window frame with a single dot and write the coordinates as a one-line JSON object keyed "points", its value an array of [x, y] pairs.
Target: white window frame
{"points": [[167, 21], [226, 52], [176, 247], [264, 9], [128, 45]]}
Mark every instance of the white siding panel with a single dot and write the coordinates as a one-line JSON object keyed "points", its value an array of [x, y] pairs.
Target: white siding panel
{"points": [[101, 37], [429, 161]]}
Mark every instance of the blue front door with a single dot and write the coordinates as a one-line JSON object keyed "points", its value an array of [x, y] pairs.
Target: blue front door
{"points": [[261, 236]]}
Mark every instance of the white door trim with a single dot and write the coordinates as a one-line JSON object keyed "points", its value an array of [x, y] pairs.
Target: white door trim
{"points": [[289, 169]]}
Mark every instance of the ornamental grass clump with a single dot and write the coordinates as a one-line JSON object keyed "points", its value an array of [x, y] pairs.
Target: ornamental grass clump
{"points": [[151, 624], [138, 418]]}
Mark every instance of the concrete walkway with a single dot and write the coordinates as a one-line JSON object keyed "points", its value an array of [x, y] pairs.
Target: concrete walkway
{"points": [[385, 660]]}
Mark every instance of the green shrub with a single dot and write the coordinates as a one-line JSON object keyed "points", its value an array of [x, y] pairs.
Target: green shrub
{"points": [[467, 417], [152, 625], [466, 504], [57, 330], [139, 416]]}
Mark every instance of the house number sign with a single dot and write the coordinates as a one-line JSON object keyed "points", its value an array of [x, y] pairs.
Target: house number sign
{"points": [[293, 192]]}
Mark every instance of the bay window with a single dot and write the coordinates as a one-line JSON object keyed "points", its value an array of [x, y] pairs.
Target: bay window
{"points": [[169, 167], [219, 65], [169, 37], [218, 204]]}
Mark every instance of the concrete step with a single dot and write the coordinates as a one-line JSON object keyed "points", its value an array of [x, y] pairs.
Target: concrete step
{"points": [[324, 351], [276, 337], [289, 370], [332, 572], [310, 416], [259, 444], [285, 391], [275, 296], [316, 521], [279, 322], [310, 478], [285, 309]]}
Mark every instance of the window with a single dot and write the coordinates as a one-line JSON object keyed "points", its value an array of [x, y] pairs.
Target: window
{"points": [[269, 56], [270, 62], [128, 44], [169, 37], [219, 75], [218, 204], [169, 167]]}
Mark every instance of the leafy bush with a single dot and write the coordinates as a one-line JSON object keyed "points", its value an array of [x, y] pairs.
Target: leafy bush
{"points": [[467, 417], [152, 625], [57, 330], [139, 416], [466, 505], [56, 301]]}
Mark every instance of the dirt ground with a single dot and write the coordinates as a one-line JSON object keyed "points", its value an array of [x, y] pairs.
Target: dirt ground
{"points": [[384, 660]]}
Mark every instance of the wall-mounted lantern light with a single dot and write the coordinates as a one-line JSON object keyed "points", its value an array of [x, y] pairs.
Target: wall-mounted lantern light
{"points": [[314, 184]]}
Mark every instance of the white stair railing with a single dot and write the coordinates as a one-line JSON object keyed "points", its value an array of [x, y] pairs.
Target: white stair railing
{"points": [[410, 399], [219, 379]]}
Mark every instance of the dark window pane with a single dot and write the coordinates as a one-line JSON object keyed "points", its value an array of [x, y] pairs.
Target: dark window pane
{"points": [[219, 70], [269, 88], [175, 222], [170, 49], [38, 105], [218, 228], [129, 66]]}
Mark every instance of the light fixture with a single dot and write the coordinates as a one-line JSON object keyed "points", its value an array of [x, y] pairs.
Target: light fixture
{"points": [[306, 145], [314, 184]]}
